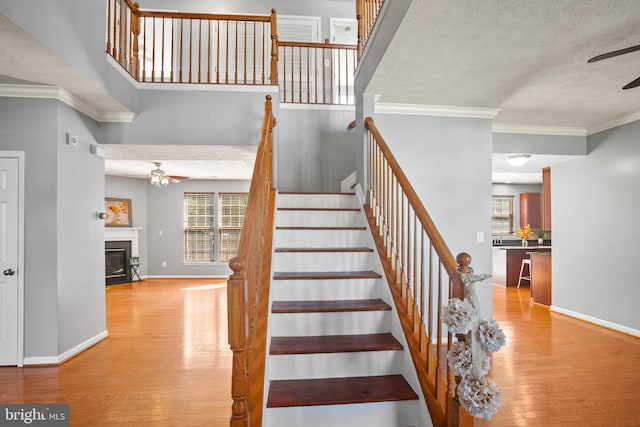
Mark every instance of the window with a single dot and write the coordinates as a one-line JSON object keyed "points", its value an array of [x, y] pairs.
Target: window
{"points": [[211, 218], [232, 209], [501, 215]]}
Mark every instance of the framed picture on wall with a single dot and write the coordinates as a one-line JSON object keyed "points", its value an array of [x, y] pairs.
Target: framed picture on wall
{"points": [[117, 212]]}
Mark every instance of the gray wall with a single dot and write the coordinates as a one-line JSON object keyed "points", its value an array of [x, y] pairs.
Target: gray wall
{"points": [[80, 248], [515, 190], [595, 202], [194, 118], [315, 149], [539, 144], [136, 190], [165, 213], [161, 210], [63, 240], [448, 162]]}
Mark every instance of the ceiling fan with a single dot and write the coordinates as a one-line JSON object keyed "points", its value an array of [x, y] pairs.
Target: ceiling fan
{"points": [[614, 53], [158, 178]]}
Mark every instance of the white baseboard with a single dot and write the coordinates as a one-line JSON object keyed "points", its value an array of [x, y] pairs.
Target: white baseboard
{"points": [[596, 321], [56, 360]]}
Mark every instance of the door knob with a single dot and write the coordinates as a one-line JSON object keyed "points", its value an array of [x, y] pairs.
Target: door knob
{"points": [[9, 272]]}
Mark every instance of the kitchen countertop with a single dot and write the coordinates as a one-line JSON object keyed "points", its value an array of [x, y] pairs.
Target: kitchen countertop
{"points": [[522, 247]]}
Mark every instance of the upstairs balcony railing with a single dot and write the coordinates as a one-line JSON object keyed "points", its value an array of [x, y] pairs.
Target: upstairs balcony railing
{"points": [[172, 47]]}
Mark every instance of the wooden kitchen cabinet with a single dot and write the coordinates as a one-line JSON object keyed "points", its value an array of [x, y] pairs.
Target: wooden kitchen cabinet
{"points": [[545, 201], [530, 210]]}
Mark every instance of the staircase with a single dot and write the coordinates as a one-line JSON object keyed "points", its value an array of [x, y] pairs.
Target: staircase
{"points": [[336, 353]]}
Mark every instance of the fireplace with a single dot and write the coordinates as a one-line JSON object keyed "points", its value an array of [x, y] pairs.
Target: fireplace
{"points": [[117, 267]]}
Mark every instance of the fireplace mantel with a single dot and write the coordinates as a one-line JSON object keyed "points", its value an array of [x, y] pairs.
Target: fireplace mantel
{"points": [[124, 233]]}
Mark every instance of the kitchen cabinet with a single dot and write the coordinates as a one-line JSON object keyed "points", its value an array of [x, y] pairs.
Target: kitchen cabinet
{"points": [[545, 201], [541, 277], [530, 210]]}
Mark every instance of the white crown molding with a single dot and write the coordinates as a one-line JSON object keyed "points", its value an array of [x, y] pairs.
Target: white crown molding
{"points": [[437, 110], [615, 123], [62, 95], [539, 130]]}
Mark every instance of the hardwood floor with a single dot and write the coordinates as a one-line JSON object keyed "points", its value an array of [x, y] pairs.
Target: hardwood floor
{"points": [[558, 371], [167, 363]]}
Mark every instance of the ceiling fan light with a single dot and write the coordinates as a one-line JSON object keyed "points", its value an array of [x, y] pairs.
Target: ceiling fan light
{"points": [[164, 181], [155, 179], [518, 159]]}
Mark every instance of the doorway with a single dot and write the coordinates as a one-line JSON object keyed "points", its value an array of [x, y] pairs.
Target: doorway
{"points": [[11, 260]]}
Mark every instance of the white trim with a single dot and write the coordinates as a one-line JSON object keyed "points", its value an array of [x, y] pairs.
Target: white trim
{"points": [[56, 360], [347, 184], [66, 97], [596, 321], [614, 123], [194, 87], [20, 156], [539, 130], [436, 110], [328, 107]]}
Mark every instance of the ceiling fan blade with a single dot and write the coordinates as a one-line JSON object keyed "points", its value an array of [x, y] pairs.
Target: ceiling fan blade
{"points": [[614, 53], [632, 84], [176, 179]]}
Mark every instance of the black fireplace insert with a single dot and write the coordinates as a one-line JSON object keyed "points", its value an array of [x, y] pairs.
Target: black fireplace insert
{"points": [[117, 267]]}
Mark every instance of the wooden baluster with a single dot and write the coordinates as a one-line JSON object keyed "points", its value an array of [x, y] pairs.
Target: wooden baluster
{"points": [[121, 32], [199, 50], [109, 27], [235, 64], [209, 52], [218, 52], [255, 36], [359, 17], [135, 30], [190, 50], [237, 341]]}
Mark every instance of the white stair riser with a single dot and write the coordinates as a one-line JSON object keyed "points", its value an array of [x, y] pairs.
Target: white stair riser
{"points": [[379, 414], [321, 238], [317, 201], [335, 365], [345, 323], [309, 290], [318, 219], [323, 261]]}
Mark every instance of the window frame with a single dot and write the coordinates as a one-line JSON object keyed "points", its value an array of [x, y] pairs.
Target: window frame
{"points": [[216, 230], [509, 217]]}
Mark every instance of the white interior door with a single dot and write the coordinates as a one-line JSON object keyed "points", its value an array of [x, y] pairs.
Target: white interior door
{"points": [[9, 261]]}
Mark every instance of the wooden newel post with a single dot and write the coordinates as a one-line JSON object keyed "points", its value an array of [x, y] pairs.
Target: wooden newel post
{"points": [[274, 48], [135, 30], [236, 296]]}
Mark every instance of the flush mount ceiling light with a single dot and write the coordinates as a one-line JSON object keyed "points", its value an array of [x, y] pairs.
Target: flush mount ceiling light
{"points": [[158, 178], [517, 159]]}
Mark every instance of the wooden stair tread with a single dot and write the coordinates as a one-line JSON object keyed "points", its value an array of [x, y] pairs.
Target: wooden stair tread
{"points": [[359, 249], [321, 209], [307, 275], [333, 344], [329, 306], [337, 391], [321, 228]]}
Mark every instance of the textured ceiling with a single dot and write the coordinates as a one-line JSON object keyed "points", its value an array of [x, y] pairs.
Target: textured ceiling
{"points": [[526, 58]]}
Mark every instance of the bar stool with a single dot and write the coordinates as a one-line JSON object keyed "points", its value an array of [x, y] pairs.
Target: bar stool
{"points": [[527, 262]]}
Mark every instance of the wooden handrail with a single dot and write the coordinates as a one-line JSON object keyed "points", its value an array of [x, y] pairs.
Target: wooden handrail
{"points": [[248, 286], [407, 239]]}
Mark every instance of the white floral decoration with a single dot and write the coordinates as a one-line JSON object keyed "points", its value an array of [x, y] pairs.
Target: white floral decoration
{"points": [[461, 360], [480, 397], [458, 315], [490, 335]]}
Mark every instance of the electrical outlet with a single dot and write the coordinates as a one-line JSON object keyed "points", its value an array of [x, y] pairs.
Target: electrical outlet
{"points": [[164, 264], [480, 237]]}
